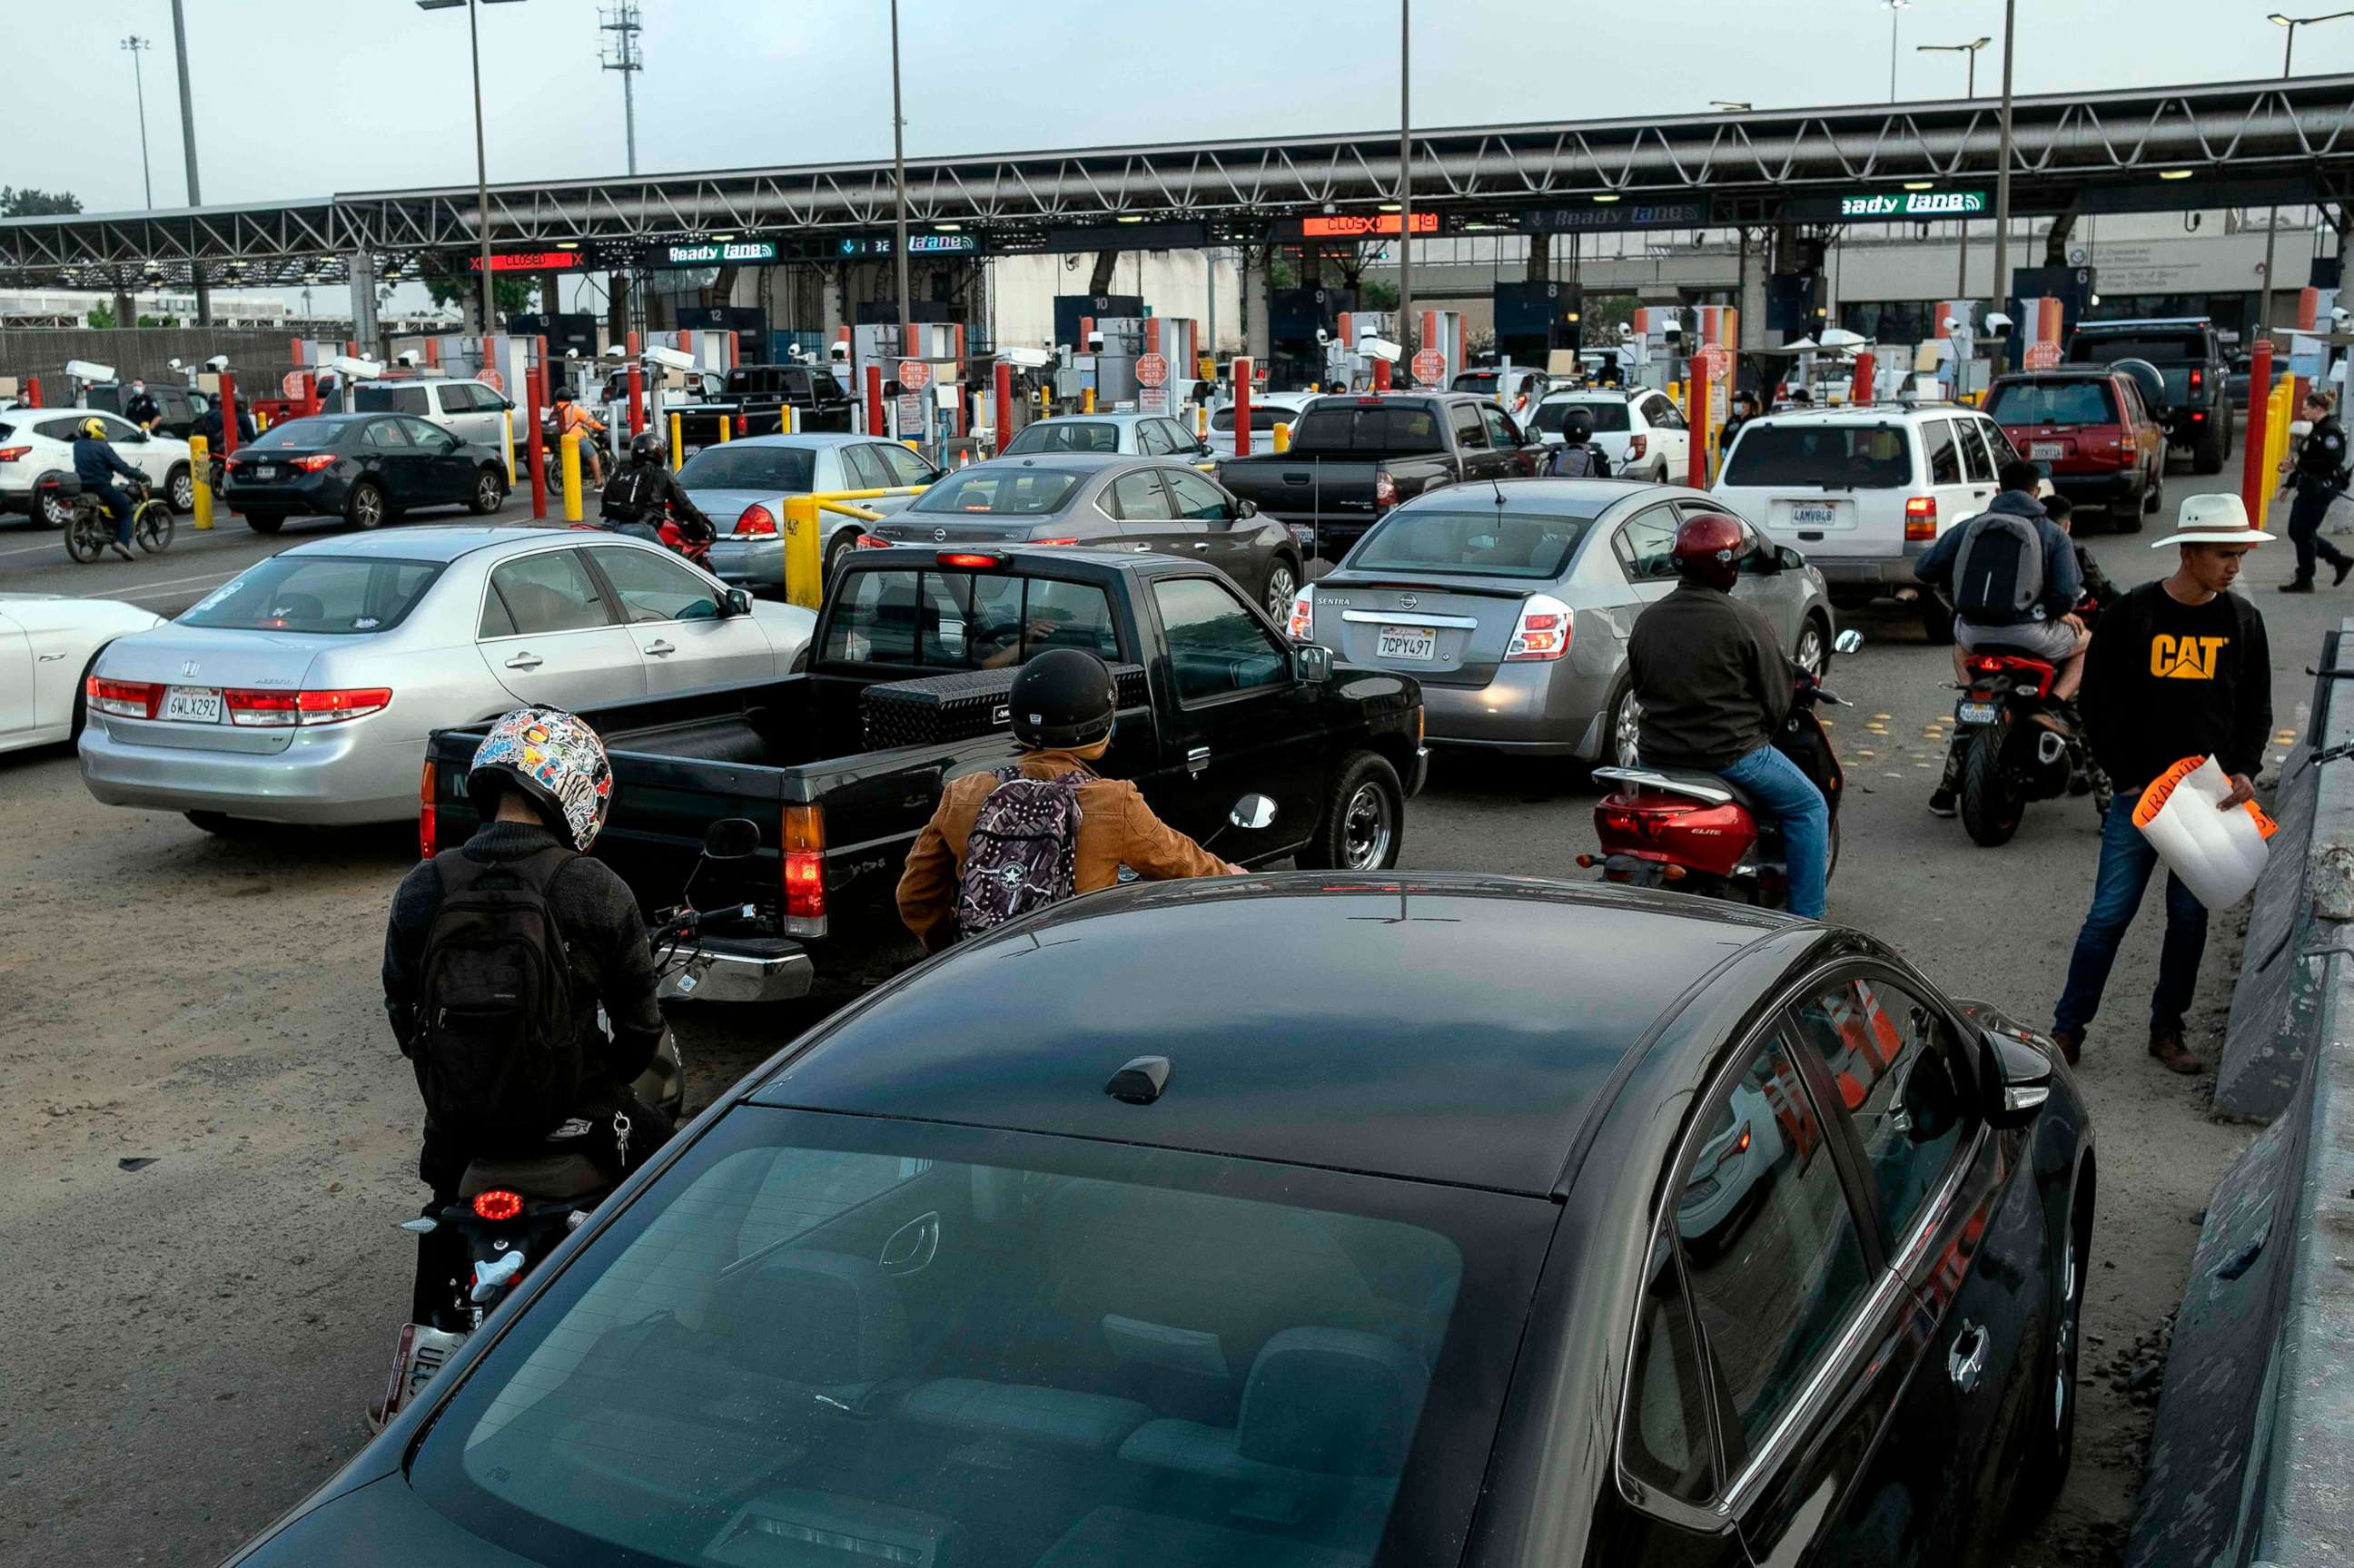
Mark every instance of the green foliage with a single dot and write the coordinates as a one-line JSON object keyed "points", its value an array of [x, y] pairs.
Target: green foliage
{"points": [[513, 294], [27, 202], [101, 316]]}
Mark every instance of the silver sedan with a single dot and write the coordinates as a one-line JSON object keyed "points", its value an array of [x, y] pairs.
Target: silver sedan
{"points": [[304, 691], [1511, 605], [741, 486]]}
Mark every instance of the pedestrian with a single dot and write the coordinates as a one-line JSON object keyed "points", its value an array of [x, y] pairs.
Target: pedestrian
{"points": [[2182, 669], [571, 416], [140, 408], [1745, 408], [2318, 474]]}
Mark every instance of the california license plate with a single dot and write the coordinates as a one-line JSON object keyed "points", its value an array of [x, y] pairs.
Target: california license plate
{"points": [[1975, 713], [417, 1355], [2043, 451], [1812, 514], [196, 705], [1416, 642]]}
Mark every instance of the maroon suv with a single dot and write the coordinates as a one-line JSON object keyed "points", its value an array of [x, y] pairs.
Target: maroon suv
{"points": [[2091, 428]]}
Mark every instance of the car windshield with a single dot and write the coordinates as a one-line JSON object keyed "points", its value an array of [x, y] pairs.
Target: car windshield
{"points": [[832, 1340], [337, 595], [1065, 436], [2157, 347], [1489, 542], [2053, 403], [1474, 381], [742, 465], [1604, 414], [1001, 490], [296, 433], [389, 400], [1837, 457], [1369, 429]]}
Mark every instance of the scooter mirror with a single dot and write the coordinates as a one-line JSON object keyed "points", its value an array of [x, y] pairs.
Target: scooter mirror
{"points": [[731, 837], [1253, 812], [1848, 641]]}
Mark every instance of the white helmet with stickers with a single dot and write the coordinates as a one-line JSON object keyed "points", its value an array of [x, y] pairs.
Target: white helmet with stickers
{"points": [[558, 763]]}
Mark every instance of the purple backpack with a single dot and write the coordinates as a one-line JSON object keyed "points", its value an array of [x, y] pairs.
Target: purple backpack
{"points": [[1023, 851]]}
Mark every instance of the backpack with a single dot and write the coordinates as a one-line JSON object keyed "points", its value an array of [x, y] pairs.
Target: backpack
{"points": [[1573, 462], [496, 1044], [1023, 851], [624, 495], [1999, 573]]}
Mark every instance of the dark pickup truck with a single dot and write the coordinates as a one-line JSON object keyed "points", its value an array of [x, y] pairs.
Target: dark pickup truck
{"points": [[754, 399], [1352, 459], [912, 659], [2199, 413]]}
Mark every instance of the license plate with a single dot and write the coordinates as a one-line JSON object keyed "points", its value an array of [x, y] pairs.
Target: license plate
{"points": [[1418, 642], [1975, 713], [198, 705], [417, 1355], [689, 451], [265, 471], [2040, 452], [1812, 514]]}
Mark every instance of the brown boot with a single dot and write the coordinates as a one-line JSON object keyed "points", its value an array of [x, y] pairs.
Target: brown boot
{"points": [[2072, 1044], [2166, 1045]]}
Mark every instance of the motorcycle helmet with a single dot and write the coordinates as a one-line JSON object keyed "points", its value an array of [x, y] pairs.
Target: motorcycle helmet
{"points": [[558, 763], [1062, 699], [1709, 548], [1576, 426], [563, 394], [94, 427], [648, 446]]}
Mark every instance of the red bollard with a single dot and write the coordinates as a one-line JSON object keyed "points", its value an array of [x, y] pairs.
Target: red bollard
{"points": [[1241, 374], [2255, 484], [1381, 374], [535, 383], [229, 413], [310, 403], [1859, 391], [637, 390], [1696, 416], [1001, 404], [32, 391], [874, 426]]}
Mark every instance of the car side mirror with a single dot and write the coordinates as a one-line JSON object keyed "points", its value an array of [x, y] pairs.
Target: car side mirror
{"points": [[736, 601], [1313, 661], [1245, 509], [2015, 1078], [1252, 812], [731, 837]]}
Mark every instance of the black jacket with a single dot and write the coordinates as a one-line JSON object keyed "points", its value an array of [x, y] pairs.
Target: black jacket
{"points": [[209, 425], [2166, 681], [643, 491], [140, 409], [612, 964], [1712, 679], [2321, 459], [97, 462]]}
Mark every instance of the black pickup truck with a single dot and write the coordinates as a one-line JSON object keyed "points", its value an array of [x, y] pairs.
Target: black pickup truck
{"points": [[912, 659], [1352, 459], [754, 399], [2200, 412]]}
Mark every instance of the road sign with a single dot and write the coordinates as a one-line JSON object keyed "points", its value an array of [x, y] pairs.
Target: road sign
{"points": [[914, 375], [911, 415], [1152, 370], [292, 387], [2042, 355], [1429, 367], [1152, 399], [493, 380]]}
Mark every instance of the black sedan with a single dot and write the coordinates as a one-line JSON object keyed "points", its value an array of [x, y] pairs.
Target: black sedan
{"points": [[366, 468], [1106, 502], [1301, 1220]]}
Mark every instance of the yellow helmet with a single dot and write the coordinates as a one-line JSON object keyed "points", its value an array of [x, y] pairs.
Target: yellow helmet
{"points": [[94, 427]]}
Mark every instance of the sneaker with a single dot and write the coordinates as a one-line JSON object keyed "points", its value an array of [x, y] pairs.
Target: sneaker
{"points": [[2297, 585], [2071, 1043], [122, 549], [2166, 1046], [1941, 803], [2339, 569]]}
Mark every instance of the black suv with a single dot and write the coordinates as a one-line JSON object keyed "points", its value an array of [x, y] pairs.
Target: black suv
{"points": [[2199, 414], [178, 405]]}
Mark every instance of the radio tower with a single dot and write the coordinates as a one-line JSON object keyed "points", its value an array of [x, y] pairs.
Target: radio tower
{"points": [[620, 53]]}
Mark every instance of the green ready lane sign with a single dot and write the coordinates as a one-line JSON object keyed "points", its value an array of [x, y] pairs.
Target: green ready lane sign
{"points": [[1894, 205]]}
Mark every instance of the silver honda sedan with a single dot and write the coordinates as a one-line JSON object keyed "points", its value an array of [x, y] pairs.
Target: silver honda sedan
{"points": [[1511, 605], [304, 691]]}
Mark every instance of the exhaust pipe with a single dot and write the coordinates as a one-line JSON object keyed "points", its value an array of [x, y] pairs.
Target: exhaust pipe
{"points": [[2050, 748]]}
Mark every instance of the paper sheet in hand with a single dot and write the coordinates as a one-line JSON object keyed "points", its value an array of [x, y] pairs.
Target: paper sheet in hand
{"points": [[2218, 855]]}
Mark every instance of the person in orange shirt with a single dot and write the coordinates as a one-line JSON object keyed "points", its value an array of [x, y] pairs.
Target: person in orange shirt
{"points": [[571, 416]]}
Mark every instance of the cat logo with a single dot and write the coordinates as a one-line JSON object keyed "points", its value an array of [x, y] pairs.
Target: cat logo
{"points": [[2185, 657]]}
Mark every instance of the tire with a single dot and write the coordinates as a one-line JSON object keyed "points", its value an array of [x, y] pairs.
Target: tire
{"points": [[81, 699], [2051, 1440], [1282, 588], [151, 527], [838, 546], [264, 521], [2214, 446], [2153, 500], [180, 489], [1991, 805], [1814, 650], [88, 534], [1937, 621], [49, 509], [490, 492], [222, 825], [365, 507], [1364, 819], [1622, 719]]}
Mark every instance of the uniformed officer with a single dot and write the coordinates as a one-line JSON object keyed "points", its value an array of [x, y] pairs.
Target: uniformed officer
{"points": [[2318, 474]]}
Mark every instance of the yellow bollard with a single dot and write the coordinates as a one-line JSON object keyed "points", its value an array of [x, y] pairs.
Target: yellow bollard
{"points": [[804, 552], [507, 420], [1283, 437], [676, 456], [1201, 421], [200, 471], [572, 476], [725, 434], [1087, 401]]}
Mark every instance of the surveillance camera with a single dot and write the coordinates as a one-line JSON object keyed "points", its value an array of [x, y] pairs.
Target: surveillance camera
{"points": [[218, 362], [617, 352], [173, 364], [87, 370], [670, 358], [1381, 348], [1953, 323], [572, 354], [408, 357], [2340, 313], [837, 351], [356, 369], [1322, 337], [1027, 358], [1095, 343]]}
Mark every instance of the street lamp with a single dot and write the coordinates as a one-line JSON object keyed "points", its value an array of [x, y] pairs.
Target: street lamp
{"points": [[482, 164], [1962, 290], [1731, 105], [2272, 229], [139, 46], [900, 172], [1405, 183], [1896, 9]]}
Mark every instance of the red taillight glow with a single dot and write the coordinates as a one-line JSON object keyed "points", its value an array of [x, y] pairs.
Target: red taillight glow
{"points": [[10, 454], [869, 542], [497, 1204], [122, 699], [2197, 378], [1544, 631], [756, 519], [1070, 541], [1638, 445], [283, 710], [428, 830], [313, 464], [1303, 616], [1385, 489], [804, 871], [1919, 518], [971, 560]]}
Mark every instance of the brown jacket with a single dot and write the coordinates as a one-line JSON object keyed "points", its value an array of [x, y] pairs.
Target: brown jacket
{"points": [[1116, 827]]}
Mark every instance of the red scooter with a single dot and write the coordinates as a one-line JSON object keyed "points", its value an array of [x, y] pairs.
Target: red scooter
{"points": [[1688, 830]]}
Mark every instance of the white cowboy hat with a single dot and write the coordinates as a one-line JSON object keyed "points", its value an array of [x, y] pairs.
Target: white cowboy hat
{"points": [[2213, 520]]}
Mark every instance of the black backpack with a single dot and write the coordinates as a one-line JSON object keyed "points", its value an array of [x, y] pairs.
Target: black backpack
{"points": [[497, 1050], [1023, 851], [625, 493], [1998, 572]]}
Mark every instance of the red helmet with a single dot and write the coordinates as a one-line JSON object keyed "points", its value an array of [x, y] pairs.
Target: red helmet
{"points": [[1709, 548]]}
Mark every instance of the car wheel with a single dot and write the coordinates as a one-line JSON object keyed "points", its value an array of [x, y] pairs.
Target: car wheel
{"points": [[1937, 621], [1622, 728], [490, 493], [1282, 588], [2153, 500], [2051, 1440], [264, 521], [50, 509], [1992, 804], [841, 544], [1364, 819], [1814, 650], [2214, 445], [365, 508], [180, 489], [81, 699]]}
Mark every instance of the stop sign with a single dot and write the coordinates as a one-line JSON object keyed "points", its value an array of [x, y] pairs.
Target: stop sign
{"points": [[492, 379], [914, 375], [1152, 370], [1429, 367]]}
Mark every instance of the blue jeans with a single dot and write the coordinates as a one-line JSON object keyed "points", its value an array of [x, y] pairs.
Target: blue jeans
{"points": [[117, 501], [1782, 787], [2127, 862]]}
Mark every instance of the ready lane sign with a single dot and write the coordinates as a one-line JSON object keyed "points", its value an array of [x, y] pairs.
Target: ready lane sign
{"points": [[1894, 205], [719, 253]]}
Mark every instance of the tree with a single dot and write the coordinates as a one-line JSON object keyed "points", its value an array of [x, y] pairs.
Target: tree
{"points": [[101, 316], [1373, 294], [30, 203], [513, 294]]}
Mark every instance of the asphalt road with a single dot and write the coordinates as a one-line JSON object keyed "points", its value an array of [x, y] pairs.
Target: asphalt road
{"points": [[211, 1138]]}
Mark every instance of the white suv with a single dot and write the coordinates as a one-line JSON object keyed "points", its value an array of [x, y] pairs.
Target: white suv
{"points": [[1641, 431], [36, 453], [470, 410], [1863, 493]]}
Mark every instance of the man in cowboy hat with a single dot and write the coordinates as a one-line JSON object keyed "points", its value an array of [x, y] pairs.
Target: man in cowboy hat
{"points": [[2180, 669]]}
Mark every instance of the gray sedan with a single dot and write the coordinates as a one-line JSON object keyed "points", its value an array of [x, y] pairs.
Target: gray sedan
{"points": [[1512, 605], [1120, 435], [303, 689], [1149, 505], [727, 481]]}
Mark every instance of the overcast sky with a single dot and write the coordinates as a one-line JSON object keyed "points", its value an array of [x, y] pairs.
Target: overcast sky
{"points": [[299, 98]]}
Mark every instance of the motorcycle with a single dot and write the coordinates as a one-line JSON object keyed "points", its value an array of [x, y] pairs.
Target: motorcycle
{"points": [[513, 1213], [89, 529], [2014, 745], [1689, 830]]}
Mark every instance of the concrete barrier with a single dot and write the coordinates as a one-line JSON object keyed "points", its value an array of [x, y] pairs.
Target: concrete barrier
{"points": [[2253, 1456]]}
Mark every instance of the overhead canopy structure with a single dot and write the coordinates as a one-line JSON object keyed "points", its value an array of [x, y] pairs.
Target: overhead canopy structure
{"points": [[2230, 144]]}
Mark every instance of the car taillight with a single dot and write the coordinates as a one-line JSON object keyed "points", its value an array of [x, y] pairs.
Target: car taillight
{"points": [[2128, 443], [1638, 445], [122, 699], [428, 831], [1385, 489], [1072, 540], [805, 871], [1920, 518], [497, 1204], [870, 542], [2197, 378], [756, 519], [1542, 633], [1303, 616], [313, 464], [283, 710], [10, 454]]}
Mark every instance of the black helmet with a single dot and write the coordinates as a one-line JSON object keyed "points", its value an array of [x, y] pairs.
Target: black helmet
{"points": [[1063, 698], [1576, 426], [563, 395], [648, 446]]}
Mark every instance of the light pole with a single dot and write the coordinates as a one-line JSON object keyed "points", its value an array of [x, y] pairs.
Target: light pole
{"points": [[899, 179], [2002, 176], [189, 146], [139, 46], [1405, 182], [1962, 289], [2272, 229], [1896, 9], [481, 162]]}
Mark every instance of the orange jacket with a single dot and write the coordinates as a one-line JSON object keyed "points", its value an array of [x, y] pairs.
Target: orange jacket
{"points": [[573, 417]]}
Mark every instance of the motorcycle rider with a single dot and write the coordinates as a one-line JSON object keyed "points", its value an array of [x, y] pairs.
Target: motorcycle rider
{"points": [[212, 425], [2318, 474], [542, 785], [2047, 629], [1063, 704], [643, 490], [1715, 688], [569, 417], [96, 464], [1578, 457]]}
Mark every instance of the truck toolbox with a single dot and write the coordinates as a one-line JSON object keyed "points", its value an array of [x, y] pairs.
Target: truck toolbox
{"points": [[941, 709]]}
